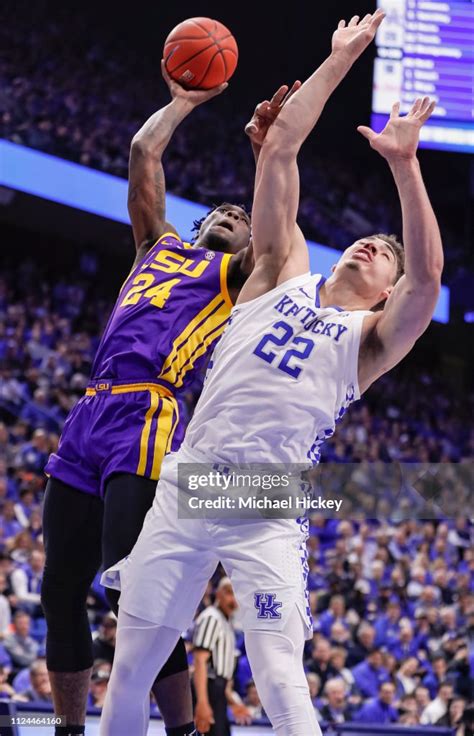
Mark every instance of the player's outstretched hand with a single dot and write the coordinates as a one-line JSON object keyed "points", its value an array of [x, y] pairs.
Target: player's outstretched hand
{"points": [[352, 39], [194, 96], [267, 112], [399, 139]]}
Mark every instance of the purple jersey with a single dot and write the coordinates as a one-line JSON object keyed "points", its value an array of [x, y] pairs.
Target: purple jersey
{"points": [[171, 309]]}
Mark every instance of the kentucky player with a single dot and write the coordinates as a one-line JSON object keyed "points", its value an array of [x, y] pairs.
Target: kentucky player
{"points": [[170, 312], [297, 352]]}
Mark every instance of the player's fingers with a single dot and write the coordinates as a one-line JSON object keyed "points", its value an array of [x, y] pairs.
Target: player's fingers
{"points": [[395, 111], [164, 72], [262, 108], [353, 21], [218, 90], [428, 112], [366, 132], [377, 18], [279, 95], [425, 103], [295, 86], [251, 127], [341, 24], [366, 19], [416, 106]]}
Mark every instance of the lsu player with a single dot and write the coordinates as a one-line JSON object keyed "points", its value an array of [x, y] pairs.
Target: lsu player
{"points": [[170, 312], [297, 351]]}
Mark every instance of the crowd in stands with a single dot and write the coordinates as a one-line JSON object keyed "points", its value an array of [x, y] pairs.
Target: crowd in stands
{"points": [[80, 99], [392, 596]]}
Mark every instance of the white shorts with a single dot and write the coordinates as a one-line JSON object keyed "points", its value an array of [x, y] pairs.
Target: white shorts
{"points": [[167, 572]]}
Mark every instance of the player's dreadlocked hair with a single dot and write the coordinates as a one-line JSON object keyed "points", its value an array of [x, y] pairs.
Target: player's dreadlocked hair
{"points": [[198, 223]]}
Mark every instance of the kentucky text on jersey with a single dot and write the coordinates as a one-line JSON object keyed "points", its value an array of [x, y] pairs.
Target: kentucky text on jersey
{"points": [[309, 320]]}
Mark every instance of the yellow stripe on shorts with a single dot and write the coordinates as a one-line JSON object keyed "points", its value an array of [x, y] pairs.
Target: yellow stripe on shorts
{"points": [[145, 436], [164, 429]]}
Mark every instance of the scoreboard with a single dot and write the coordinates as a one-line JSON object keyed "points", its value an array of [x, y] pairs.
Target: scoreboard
{"points": [[426, 47]]}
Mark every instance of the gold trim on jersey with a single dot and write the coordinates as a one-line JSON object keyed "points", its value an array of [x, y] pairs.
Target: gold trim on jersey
{"points": [[129, 388], [140, 264], [224, 273], [214, 314]]}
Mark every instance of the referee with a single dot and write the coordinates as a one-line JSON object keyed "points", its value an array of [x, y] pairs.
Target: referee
{"points": [[214, 663]]}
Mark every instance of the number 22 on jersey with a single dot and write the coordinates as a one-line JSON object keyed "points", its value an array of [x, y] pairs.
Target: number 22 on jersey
{"points": [[285, 337]]}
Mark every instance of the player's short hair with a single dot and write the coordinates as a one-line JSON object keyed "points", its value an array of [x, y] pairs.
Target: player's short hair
{"points": [[198, 223], [398, 251]]}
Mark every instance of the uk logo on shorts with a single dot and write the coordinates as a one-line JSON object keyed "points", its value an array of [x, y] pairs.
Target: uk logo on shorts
{"points": [[267, 606]]}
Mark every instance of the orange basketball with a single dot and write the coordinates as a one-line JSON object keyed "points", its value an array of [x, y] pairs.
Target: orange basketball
{"points": [[200, 53]]}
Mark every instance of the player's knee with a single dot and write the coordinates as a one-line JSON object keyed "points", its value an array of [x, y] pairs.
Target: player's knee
{"points": [[177, 662], [63, 598]]}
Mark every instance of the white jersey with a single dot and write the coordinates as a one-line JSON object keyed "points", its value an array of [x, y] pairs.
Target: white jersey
{"points": [[282, 375]]}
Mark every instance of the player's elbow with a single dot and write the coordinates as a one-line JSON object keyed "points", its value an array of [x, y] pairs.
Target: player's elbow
{"points": [[139, 145], [426, 282], [279, 145]]}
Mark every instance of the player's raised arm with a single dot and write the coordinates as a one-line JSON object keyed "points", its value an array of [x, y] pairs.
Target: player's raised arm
{"points": [[302, 112], [410, 306], [278, 245], [146, 184]]}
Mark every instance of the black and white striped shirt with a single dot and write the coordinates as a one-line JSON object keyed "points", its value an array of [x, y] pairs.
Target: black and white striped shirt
{"points": [[214, 632]]}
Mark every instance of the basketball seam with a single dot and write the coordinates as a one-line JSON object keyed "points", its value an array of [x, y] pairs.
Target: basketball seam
{"points": [[207, 68], [183, 63], [223, 59], [209, 33], [194, 22]]}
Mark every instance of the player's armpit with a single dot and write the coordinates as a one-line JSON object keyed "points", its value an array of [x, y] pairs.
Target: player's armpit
{"points": [[240, 267], [298, 260], [388, 336]]}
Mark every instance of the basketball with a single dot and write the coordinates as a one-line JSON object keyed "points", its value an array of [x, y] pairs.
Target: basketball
{"points": [[200, 53]]}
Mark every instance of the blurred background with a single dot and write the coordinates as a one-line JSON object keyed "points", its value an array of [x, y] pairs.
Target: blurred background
{"points": [[77, 81]]}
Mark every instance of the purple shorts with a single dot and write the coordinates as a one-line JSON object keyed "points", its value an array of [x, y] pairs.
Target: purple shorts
{"points": [[116, 427]]}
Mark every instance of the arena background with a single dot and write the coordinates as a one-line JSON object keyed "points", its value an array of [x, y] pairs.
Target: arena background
{"points": [[77, 81]]}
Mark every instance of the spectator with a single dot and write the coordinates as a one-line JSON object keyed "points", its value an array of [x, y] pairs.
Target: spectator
{"points": [[314, 684], [439, 706], [98, 687], [338, 660], [422, 697], [26, 584], [40, 689], [335, 613], [364, 644], [103, 645], [336, 709], [252, 701], [379, 709], [21, 647], [5, 610], [454, 717], [407, 677], [320, 661], [438, 675], [6, 690], [370, 674]]}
